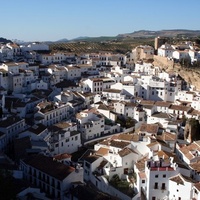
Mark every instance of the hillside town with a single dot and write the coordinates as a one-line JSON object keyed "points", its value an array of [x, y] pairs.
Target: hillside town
{"points": [[99, 125]]}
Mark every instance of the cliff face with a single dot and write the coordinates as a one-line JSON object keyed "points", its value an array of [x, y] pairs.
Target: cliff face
{"points": [[189, 75]]}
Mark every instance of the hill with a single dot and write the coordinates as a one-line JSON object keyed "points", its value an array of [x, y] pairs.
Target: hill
{"points": [[163, 33], [4, 40]]}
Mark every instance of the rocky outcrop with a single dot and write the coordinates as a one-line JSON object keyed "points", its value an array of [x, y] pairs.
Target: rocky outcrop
{"points": [[191, 76]]}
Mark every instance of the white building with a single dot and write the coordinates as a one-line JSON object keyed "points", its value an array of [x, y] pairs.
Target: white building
{"points": [[95, 85], [64, 138], [52, 58], [73, 72], [180, 187], [53, 177], [35, 46], [90, 123], [178, 54], [166, 50], [10, 127], [36, 133], [50, 113]]}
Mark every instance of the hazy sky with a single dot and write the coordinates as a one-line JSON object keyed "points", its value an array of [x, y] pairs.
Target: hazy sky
{"points": [[41, 20]]}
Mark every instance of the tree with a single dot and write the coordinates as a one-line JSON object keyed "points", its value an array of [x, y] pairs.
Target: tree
{"points": [[130, 122], [192, 130], [185, 62]]}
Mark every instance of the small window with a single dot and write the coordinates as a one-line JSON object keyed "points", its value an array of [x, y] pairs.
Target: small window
{"points": [[67, 140], [143, 181], [156, 185], [164, 175], [156, 176]]}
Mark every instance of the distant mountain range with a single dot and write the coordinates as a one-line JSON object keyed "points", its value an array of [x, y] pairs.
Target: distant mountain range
{"points": [[141, 34], [162, 33], [135, 34]]}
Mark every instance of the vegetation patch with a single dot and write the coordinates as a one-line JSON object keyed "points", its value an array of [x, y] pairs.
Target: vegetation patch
{"points": [[121, 185]]}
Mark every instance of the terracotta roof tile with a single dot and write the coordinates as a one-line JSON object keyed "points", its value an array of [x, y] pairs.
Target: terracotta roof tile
{"points": [[150, 128], [177, 179], [197, 186], [126, 151], [102, 151], [48, 166]]}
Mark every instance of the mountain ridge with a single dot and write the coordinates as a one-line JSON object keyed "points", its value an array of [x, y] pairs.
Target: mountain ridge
{"points": [[135, 34], [162, 33]]}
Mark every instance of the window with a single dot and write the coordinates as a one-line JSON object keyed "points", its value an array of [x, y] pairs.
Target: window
{"points": [[156, 176], [164, 175], [163, 186], [67, 140], [156, 186], [76, 137], [153, 198], [143, 181]]}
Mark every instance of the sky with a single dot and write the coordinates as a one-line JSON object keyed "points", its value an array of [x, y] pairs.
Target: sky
{"points": [[51, 20]]}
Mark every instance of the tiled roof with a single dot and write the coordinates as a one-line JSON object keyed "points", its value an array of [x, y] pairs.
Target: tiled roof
{"points": [[63, 125], [102, 151], [180, 108], [49, 166], [73, 133], [128, 137], [166, 136], [147, 102], [197, 186], [196, 166], [152, 144], [112, 90], [189, 150], [126, 151], [148, 106], [10, 121], [140, 164], [150, 128], [177, 179], [62, 156], [87, 94], [102, 164], [118, 144], [65, 84], [160, 115], [103, 107], [91, 158], [37, 129]]}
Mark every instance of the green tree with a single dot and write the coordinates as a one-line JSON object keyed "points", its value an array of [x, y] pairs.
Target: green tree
{"points": [[195, 129]]}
